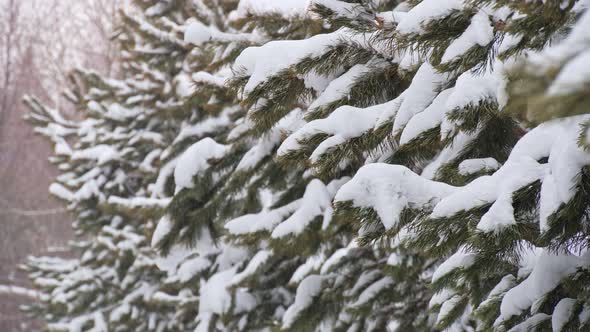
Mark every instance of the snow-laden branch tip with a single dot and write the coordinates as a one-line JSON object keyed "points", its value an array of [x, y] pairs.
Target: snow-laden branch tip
{"points": [[19, 291]]}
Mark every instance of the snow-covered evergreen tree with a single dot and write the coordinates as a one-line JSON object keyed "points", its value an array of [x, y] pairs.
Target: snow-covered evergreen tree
{"points": [[231, 174], [330, 165], [109, 160], [495, 201]]}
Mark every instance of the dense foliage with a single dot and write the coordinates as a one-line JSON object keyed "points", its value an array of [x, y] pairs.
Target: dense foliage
{"points": [[328, 166]]}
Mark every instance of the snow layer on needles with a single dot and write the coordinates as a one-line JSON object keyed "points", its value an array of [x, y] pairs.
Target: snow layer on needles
{"points": [[312, 263], [307, 290], [335, 259], [573, 76], [566, 160], [197, 33], [204, 127], [547, 273], [191, 267], [500, 289], [258, 260], [262, 62], [218, 298], [195, 160], [440, 297], [554, 139], [479, 32], [500, 189], [496, 189], [139, 202], [206, 78], [426, 11], [424, 88], [430, 118], [178, 254], [461, 259], [473, 88], [338, 6], [373, 290], [472, 166], [562, 313], [263, 221], [316, 201], [530, 324], [344, 123], [389, 189], [285, 8], [183, 85], [267, 143], [101, 153], [60, 191], [339, 87], [446, 308], [577, 40]]}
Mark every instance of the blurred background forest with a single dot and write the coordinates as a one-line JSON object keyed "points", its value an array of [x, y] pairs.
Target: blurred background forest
{"points": [[40, 42]]}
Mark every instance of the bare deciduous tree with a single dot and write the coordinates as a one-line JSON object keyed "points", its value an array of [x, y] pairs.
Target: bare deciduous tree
{"points": [[10, 30]]}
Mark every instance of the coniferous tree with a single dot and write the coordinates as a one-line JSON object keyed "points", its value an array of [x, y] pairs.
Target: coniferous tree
{"points": [[108, 164], [497, 186], [221, 177], [337, 165]]}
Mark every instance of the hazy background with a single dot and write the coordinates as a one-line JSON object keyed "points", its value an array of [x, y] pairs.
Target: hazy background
{"points": [[40, 41]]}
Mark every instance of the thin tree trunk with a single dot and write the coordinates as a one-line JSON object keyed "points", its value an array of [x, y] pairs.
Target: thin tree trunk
{"points": [[13, 13]]}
